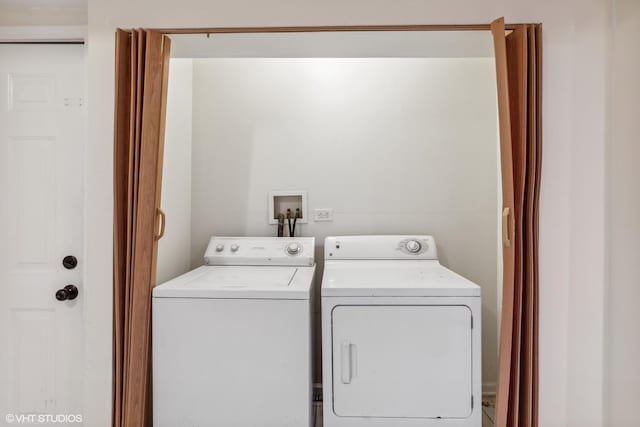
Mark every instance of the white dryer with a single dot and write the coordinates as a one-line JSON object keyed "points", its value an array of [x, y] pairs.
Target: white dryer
{"points": [[400, 336], [232, 339]]}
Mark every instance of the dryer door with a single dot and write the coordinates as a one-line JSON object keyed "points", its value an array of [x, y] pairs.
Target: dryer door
{"points": [[402, 361]]}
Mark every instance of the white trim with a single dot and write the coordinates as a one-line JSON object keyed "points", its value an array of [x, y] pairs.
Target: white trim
{"points": [[489, 389], [37, 33]]}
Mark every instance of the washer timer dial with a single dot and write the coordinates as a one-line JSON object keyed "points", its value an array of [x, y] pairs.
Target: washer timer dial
{"points": [[294, 248]]}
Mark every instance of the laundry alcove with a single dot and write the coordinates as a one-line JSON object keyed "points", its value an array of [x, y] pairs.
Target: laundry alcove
{"points": [[272, 126]]}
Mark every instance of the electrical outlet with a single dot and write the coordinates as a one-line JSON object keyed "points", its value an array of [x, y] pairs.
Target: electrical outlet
{"points": [[323, 214]]}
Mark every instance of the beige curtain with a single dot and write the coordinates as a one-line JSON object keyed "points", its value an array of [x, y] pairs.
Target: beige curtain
{"points": [[519, 75], [142, 66]]}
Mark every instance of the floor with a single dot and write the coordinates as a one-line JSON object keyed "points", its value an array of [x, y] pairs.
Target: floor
{"points": [[317, 414], [488, 412]]}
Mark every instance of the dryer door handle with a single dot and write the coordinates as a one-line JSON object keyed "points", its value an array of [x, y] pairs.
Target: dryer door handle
{"points": [[348, 362]]}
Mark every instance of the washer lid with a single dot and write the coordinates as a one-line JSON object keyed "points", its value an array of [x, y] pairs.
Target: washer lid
{"points": [[394, 278], [250, 282]]}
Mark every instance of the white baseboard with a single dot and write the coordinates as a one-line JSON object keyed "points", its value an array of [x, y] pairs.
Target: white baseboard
{"points": [[489, 389]]}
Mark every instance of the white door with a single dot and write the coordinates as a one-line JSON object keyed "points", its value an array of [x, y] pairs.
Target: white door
{"points": [[42, 128], [402, 361]]}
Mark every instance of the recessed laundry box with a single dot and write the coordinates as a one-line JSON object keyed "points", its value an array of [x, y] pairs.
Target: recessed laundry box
{"points": [[232, 339], [401, 335]]}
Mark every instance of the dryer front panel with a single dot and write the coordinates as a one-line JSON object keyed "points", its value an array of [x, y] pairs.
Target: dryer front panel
{"points": [[402, 361]]}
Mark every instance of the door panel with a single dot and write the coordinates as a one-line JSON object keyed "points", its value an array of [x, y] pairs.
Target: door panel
{"points": [[32, 379], [30, 209], [402, 361], [42, 128]]}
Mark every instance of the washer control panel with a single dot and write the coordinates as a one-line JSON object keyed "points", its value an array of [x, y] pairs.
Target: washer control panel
{"points": [[260, 251]]}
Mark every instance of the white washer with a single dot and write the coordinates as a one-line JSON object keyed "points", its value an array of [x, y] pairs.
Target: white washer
{"points": [[232, 340], [400, 336]]}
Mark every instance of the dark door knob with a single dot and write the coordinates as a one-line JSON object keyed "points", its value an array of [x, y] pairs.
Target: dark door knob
{"points": [[69, 292], [69, 262]]}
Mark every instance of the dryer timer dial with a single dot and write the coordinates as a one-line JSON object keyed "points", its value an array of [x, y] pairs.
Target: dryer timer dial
{"points": [[413, 246]]}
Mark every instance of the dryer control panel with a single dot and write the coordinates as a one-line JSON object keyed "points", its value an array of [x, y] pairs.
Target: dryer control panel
{"points": [[380, 247], [293, 251]]}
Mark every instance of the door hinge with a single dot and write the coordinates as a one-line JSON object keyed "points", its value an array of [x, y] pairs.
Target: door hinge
{"points": [[472, 401], [471, 322]]}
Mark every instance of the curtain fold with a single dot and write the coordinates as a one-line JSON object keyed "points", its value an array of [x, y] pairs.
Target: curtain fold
{"points": [[141, 75], [518, 72]]}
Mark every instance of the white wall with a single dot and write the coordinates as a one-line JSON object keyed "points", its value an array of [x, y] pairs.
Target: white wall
{"points": [[623, 308], [393, 146], [174, 248], [32, 12], [572, 222]]}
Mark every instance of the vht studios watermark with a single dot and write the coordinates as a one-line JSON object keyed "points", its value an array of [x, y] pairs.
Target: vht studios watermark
{"points": [[43, 418]]}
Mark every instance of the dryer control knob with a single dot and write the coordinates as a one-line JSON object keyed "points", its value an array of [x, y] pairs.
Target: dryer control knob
{"points": [[234, 248], [219, 247], [413, 246], [293, 248]]}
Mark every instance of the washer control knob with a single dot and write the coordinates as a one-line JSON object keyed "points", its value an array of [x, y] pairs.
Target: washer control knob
{"points": [[293, 248], [234, 248], [413, 246], [219, 247]]}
